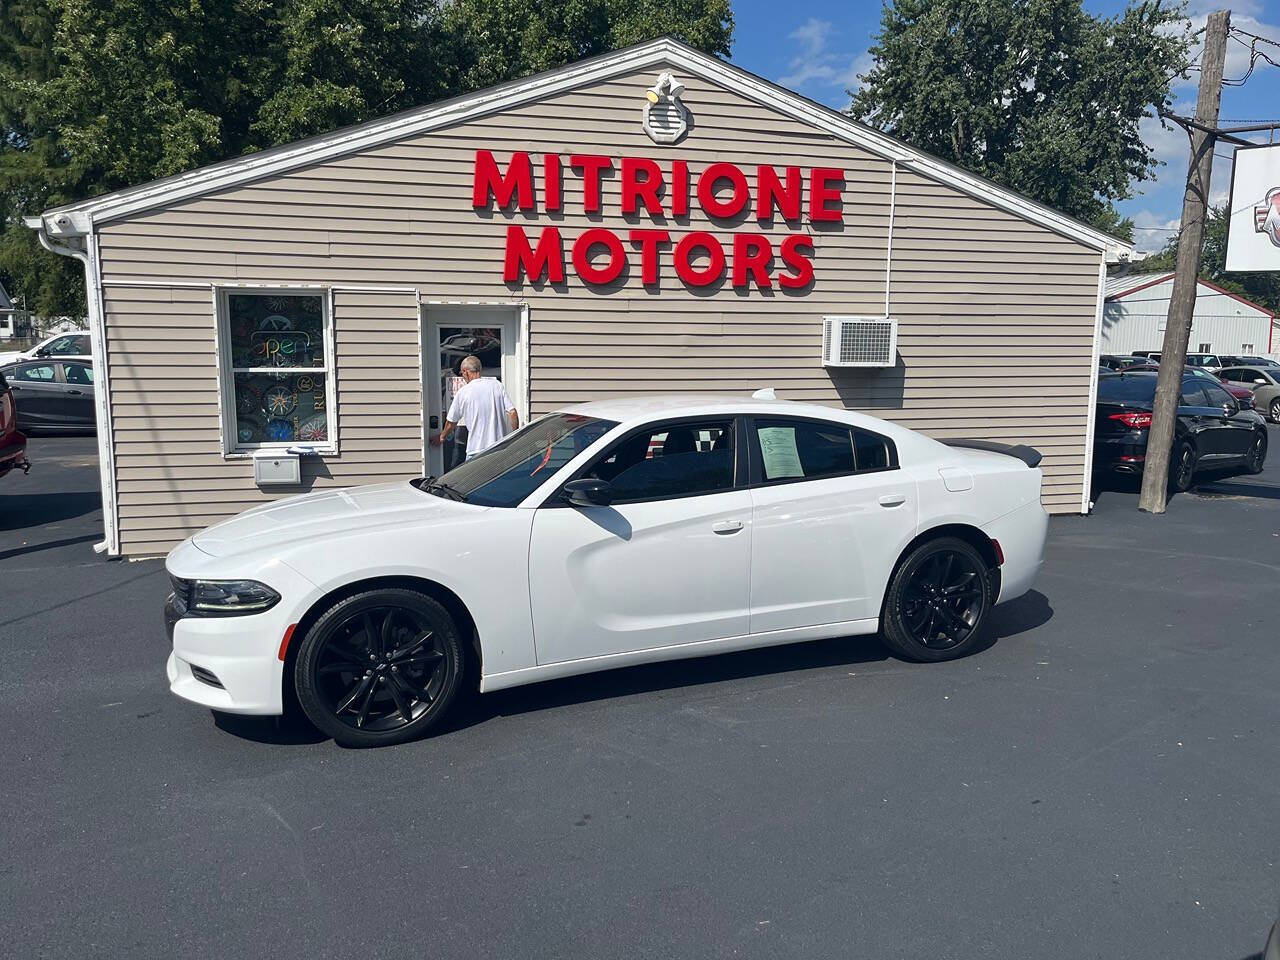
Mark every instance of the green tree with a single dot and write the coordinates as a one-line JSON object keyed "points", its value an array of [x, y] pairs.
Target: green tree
{"points": [[96, 95], [1036, 95], [1262, 288]]}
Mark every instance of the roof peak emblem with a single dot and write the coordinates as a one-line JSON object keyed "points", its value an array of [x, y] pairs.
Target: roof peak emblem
{"points": [[665, 118]]}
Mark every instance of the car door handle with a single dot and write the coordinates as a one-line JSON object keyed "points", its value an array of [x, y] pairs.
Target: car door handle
{"points": [[75, 393], [726, 527], [893, 500]]}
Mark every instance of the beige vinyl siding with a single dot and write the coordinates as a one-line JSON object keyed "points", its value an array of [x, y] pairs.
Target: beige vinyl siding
{"points": [[171, 476], [997, 314]]}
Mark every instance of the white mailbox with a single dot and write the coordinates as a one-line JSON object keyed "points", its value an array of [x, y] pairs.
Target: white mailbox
{"points": [[272, 468]]}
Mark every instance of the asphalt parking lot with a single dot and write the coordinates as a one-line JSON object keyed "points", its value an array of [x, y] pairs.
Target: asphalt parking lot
{"points": [[1104, 781]]}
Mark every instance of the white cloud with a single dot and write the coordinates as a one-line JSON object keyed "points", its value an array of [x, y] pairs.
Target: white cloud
{"points": [[819, 71], [1152, 230]]}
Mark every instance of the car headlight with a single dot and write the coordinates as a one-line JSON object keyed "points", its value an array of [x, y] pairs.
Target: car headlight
{"points": [[228, 597]]}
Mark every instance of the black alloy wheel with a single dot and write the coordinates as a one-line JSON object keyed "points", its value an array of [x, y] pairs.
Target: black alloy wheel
{"points": [[1275, 410], [1182, 467], [937, 601], [1257, 455], [379, 668]]}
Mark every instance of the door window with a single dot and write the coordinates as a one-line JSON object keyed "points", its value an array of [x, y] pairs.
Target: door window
{"points": [[1193, 394], [1217, 396], [810, 449], [78, 373], [36, 373], [63, 346], [668, 461]]}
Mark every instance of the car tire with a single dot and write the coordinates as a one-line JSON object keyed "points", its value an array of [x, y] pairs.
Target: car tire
{"points": [[379, 668], [1182, 467], [1275, 410], [937, 602], [1256, 458]]}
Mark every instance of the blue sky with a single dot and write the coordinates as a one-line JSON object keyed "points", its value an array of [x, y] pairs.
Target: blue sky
{"points": [[818, 48]]}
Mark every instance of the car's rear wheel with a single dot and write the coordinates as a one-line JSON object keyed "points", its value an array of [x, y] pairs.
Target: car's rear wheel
{"points": [[380, 667], [1275, 410], [1257, 455], [1182, 467], [937, 601]]}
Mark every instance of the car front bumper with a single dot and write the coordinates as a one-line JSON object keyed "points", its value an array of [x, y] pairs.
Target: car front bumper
{"points": [[235, 664]]}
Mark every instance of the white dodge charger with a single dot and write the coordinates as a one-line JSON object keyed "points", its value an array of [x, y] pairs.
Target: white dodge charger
{"points": [[606, 534]]}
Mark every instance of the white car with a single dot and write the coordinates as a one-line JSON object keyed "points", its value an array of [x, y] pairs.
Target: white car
{"points": [[606, 534], [69, 345]]}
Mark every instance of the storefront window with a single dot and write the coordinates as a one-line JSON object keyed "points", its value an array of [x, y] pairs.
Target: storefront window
{"points": [[279, 387]]}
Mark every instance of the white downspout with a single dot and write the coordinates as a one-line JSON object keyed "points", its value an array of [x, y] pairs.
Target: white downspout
{"points": [[888, 254], [102, 384]]}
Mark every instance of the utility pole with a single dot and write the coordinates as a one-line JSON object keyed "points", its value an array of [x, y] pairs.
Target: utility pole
{"points": [[1182, 304]]}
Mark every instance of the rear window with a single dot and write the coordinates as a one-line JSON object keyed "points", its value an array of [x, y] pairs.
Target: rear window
{"points": [[1127, 387]]}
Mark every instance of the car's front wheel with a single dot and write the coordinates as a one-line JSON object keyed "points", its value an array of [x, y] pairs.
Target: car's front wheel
{"points": [[937, 601], [1275, 410], [378, 668]]}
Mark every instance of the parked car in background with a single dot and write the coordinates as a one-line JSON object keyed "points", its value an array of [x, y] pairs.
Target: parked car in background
{"points": [[13, 444], [54, 396], [74, 345], [1213, 431], [1243, 396], [1149, 354], [1118, 361], [1258, 362], [1263, 382], [1209, 361], [623, 531]]}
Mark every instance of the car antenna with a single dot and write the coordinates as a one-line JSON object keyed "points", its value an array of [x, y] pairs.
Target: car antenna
{"points": [[765, 393]]}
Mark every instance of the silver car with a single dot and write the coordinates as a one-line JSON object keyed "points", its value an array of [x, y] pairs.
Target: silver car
{"points": [[1265, 383]]}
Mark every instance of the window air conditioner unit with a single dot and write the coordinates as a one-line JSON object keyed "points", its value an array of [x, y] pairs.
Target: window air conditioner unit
{"points": [[859, 342]]}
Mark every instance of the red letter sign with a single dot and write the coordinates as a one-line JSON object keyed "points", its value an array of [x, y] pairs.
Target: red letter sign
{"points": [[821, 190], [751, 255], [794, 259], [769, 191], [648, 241], [590, 168], [684, 253], [518, 180], [707, 190], [644, 189], [548, 258], [582, 256]]}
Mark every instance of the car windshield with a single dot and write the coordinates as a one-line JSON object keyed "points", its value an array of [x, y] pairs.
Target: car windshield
{"points": [[509, 471]]}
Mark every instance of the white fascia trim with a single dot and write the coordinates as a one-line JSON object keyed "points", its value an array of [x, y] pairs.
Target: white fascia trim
{"points": [[664, 51], [1091, 414], [207, 180]]}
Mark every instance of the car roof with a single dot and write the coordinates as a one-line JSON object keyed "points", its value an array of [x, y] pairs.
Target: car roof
{"points": [[636, 410]]}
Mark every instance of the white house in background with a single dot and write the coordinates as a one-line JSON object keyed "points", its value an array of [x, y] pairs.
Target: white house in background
{"points": [[1137, 306]]}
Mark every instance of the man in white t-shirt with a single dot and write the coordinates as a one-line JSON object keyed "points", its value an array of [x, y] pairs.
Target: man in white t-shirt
{"points": [[483, 407]]}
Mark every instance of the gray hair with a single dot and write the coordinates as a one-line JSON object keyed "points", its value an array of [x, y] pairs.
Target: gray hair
{"points": [[471, 363]]}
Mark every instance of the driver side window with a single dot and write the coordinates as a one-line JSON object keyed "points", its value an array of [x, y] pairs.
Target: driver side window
{"points": [[669, 460]]}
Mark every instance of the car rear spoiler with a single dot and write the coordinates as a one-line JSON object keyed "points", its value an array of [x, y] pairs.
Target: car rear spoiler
{"points": [[1028, 455]]}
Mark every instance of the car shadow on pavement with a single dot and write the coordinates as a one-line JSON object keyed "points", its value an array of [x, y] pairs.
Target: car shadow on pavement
{"points": [[472, 708], [20, 511]]}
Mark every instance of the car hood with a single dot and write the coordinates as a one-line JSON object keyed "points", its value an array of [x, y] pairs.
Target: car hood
{"points": [[315, 516]]}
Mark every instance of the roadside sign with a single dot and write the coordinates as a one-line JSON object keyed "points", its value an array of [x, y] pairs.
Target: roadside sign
{"points": [[1253, 230]]}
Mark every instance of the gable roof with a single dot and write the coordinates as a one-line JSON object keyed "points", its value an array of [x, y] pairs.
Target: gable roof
{"points": [[1120, 287], [76, 219], [6, 303]]}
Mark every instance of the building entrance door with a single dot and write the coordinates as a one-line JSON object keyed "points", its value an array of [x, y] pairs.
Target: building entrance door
{"points": [[450, 334]]}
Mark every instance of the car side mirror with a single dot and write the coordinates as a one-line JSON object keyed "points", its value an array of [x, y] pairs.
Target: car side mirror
{"points": [[42, 352], [1230, 407], [589, 492]]}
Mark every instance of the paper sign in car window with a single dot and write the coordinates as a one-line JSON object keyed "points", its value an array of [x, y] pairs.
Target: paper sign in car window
{"points": [[778, 448]]}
